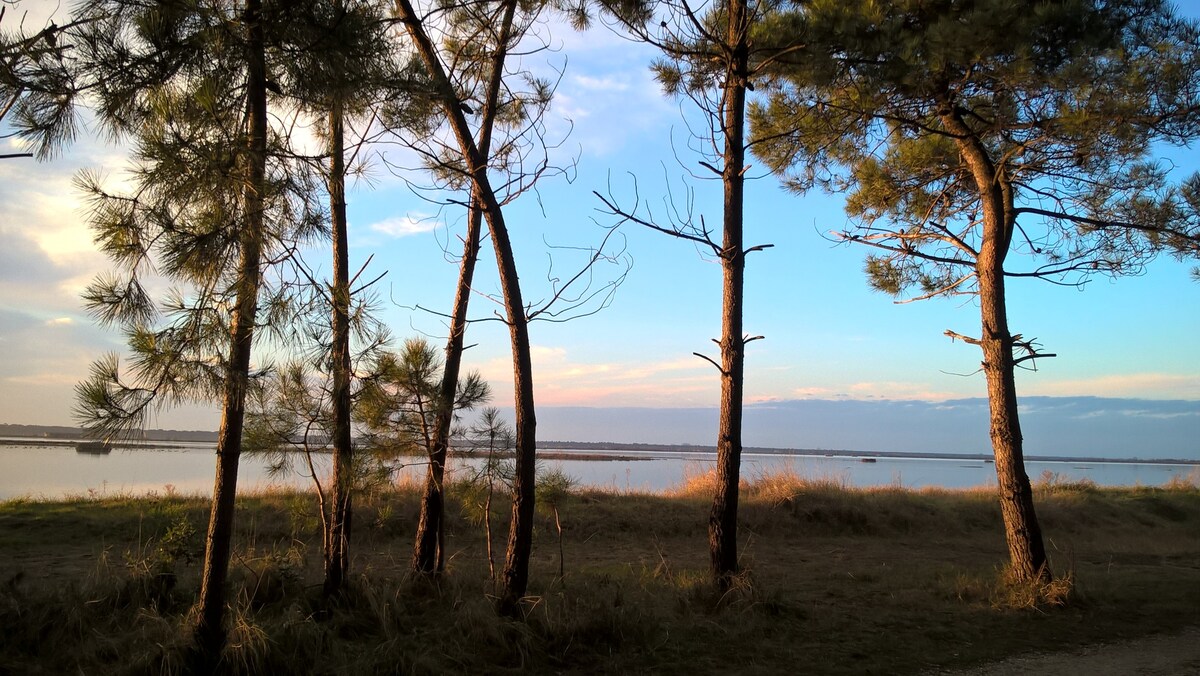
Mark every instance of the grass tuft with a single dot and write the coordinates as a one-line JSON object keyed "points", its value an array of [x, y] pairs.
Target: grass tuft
{"points": [[1002, 590]]}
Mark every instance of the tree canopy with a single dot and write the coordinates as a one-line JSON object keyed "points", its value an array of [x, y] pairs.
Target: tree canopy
{"points": [[38, 86], [1066, 99]]}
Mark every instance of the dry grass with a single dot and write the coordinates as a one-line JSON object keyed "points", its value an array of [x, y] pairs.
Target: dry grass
{"points": [[836, 580]]}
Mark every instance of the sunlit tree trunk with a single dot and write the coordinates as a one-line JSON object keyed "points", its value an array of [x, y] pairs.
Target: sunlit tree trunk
{"points": [[1026, 550], [722, 523]]}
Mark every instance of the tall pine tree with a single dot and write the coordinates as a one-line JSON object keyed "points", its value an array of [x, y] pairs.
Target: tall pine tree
{"points": [[210, 201], [712, 55], [982, 141]]}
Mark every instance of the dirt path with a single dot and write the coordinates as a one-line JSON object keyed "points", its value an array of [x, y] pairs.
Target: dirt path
{"points": [[1162, 655]]}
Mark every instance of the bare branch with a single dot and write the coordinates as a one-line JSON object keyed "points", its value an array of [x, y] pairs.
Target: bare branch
{"points": [[677, 232], [709, 360], [958, 336], [940, 291]]}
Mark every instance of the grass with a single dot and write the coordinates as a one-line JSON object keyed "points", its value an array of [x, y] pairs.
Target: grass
{"points": [[837, 581]]}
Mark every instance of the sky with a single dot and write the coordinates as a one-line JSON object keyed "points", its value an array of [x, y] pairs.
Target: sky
{"points": [[839, 364]]}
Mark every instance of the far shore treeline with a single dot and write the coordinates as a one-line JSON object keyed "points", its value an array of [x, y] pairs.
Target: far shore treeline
{"points": [[69, 434]]}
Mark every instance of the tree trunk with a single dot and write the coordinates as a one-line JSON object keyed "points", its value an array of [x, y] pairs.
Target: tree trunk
{"points": [[337, 546], [209, 631], [515, 576], [428, 550], [722, 522], [1027, 553]]}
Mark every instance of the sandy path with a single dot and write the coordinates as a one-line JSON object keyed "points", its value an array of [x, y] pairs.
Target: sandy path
{"points": [[1162, 655]]}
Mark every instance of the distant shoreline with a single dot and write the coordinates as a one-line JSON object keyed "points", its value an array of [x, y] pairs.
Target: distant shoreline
{"points": [[149, 444], [842, 453], [36, 435], [73, 434]]}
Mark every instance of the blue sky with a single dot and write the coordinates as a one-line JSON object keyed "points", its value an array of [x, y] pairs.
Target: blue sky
{"points": [[827, 335]]}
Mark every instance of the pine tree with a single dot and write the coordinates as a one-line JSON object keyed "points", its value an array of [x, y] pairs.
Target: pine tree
{"points": [[972, 137], [336, 59], [712, 56], [480, 36], [211, 201], [400, 401], [472, 164]]}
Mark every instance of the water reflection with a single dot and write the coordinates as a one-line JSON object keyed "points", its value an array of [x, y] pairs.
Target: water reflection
{"points": [[53, 472]]}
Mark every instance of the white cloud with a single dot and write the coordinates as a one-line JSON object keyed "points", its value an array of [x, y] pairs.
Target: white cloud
{"points": [[1136, 385], [608, 83], [60, 321], [403, 226], [815, 393]]}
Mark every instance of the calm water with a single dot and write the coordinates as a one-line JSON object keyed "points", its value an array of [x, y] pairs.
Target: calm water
{"points": [[58, 471]]}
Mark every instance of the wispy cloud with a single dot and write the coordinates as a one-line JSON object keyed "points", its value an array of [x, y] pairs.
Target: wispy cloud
{"points": [[1140, 385], [877, 390], [404, 226], [42, 379], [598, 100], [560, 380], [607, 83]]}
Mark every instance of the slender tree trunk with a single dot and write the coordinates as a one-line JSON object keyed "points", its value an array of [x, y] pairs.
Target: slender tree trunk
{"points": [[487, 519], [1027, 552], [722, 522], [337, 549], [428, 552], [209, 630], [515, 576]]}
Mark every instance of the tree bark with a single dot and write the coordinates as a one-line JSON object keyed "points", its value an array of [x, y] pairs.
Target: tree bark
{"points": [[337, 546], [1027, 552], [722, 522], [515, 576], [429, 548], [209, 631]]}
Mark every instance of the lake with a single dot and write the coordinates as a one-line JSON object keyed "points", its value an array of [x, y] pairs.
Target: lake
{"points": [[52, 472]]}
